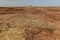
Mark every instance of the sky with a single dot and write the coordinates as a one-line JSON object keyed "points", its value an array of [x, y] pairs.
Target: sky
{"points": [[29, 2]]}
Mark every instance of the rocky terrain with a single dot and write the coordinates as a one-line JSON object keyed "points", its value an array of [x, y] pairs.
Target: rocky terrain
{"points": [[30, 23]]}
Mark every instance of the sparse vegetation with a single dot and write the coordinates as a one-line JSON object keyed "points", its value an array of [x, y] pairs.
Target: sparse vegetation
{"points": [[30, 23]]}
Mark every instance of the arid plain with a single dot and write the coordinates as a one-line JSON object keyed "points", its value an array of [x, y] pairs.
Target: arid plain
{"points": [[29, 23]]}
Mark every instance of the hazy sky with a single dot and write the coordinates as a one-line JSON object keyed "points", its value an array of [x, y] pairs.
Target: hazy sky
{"points": [[29, 2]]}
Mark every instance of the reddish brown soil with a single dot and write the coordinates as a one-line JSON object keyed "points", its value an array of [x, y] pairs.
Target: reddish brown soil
{"points": [[41, 23]]}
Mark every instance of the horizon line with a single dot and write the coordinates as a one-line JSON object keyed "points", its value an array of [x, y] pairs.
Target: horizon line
{"points": [[29, 6]]}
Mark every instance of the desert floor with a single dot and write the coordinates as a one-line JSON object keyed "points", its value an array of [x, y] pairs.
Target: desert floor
{"points": [[29, 23]]}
